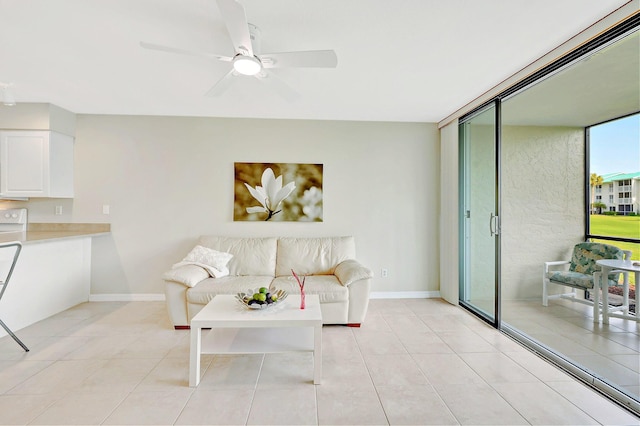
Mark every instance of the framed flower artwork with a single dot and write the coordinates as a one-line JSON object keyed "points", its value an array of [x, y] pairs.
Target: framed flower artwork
{"points": [[278, 192]]}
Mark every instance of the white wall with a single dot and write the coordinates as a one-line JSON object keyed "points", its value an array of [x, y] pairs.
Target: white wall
{"points": [[169, 180], [542, 203], [449, 274]]}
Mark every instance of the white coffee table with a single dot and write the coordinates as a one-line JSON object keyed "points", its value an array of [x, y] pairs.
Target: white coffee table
{"points": [[607, 266], [235, 329]]}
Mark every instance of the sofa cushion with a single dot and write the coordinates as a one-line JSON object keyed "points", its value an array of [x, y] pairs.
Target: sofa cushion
{"points": [[207, 289], [313, 256], [326, 286], [251, 256]]}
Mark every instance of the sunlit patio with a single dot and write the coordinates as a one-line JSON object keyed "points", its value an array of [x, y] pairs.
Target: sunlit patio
{"points": [[610, 351]]}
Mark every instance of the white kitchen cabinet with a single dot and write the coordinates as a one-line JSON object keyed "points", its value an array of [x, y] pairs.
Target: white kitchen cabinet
{"points": [[36, 163]]}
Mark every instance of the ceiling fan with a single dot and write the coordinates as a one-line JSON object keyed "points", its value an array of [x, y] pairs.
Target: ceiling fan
{"points": [[248, 60]]}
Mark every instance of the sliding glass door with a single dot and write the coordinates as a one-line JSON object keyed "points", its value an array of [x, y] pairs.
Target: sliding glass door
{"points": [[528, 158], [479, 213]]}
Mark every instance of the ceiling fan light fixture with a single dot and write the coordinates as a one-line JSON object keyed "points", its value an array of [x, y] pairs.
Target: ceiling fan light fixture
{"points": [[247, 65]]}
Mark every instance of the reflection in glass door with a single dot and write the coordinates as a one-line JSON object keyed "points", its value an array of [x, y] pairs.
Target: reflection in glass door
{"points": [[479, 214]]}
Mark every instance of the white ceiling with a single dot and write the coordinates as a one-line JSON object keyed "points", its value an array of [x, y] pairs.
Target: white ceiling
{"points": [[398, 60], [602, 86]]}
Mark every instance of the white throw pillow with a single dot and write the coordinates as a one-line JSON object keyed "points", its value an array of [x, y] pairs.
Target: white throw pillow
{"points": [[189, 275], [215, 262]]}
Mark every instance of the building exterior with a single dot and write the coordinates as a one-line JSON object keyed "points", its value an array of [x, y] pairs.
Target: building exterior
{"points": [[620, 192]]}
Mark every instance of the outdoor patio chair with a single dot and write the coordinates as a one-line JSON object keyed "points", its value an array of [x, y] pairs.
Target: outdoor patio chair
{"points": [[583, 273], [13, 251]]}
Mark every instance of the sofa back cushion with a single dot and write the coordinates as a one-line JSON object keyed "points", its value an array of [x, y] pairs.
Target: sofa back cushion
{"points": [[251, 256], [313, 256]]}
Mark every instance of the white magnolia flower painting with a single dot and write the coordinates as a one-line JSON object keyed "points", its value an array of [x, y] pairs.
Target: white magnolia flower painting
{"points": [[278, 192]]}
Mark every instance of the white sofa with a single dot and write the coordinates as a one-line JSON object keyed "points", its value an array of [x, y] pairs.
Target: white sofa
{"points": [[329, 265]]}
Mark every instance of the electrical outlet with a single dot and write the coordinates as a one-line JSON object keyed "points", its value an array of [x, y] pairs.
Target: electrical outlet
{"points": [[58, 210], [106, 209], [384, 273]]}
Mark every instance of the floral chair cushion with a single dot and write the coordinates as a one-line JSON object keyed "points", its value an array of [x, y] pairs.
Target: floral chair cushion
{"points": [[576, 279], [583, 265], [585, 255]]}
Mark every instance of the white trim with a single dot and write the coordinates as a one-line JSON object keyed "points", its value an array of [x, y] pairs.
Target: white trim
{"points": [[404, 295], [126, 297], [152, 297]]}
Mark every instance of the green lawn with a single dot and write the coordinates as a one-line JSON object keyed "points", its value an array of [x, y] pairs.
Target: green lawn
{"points": [[618, 226]]}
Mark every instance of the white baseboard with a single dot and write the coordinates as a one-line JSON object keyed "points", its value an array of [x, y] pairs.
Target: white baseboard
{"points": [[404, 295], [153, 297], [124, 297]]}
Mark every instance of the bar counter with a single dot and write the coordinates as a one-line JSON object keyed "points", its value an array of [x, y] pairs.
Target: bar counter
{"points": [[43, 232]]}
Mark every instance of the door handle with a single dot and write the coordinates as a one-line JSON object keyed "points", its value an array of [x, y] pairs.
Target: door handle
{"points": [[494, 225]]}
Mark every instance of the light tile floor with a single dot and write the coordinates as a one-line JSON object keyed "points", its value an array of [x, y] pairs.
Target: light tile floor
{"points": [[413, 362], [611, 351]]}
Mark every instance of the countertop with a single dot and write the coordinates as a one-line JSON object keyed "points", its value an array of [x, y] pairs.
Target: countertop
{"points": [[42, 232]]}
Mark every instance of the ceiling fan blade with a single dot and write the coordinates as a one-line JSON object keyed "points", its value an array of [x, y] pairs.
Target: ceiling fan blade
{"points": [[236, 20], [169, 49], [222, 85], [279, 86], [307, 59]]}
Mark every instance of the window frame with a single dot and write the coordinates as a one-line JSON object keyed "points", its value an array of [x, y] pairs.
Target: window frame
{"points": [[618, 207]]}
